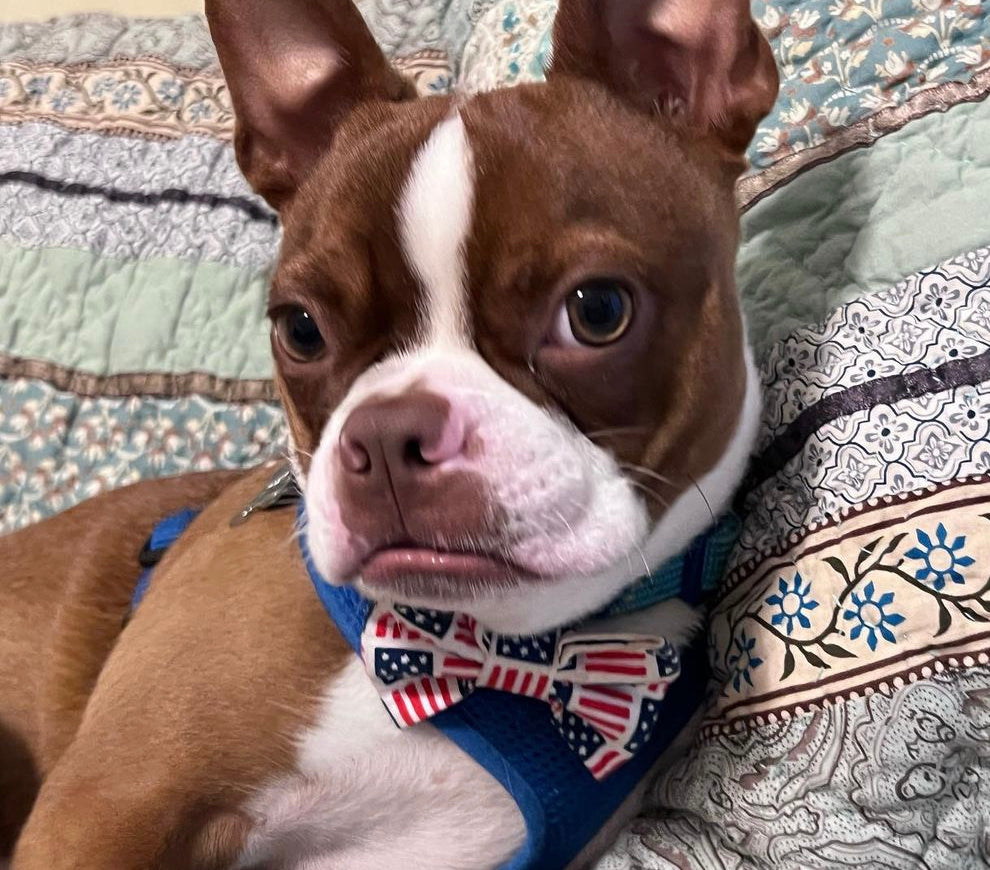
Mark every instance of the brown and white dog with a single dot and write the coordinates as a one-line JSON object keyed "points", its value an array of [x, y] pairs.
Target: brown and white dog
{"points": [[509, 345]]}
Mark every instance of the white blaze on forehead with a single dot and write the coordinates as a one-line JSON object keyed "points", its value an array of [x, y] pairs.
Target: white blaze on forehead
{"points": [[434, 220]]}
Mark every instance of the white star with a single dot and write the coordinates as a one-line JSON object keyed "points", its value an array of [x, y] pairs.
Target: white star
{"points": [[404, 659], [436, 627], [570, 735], [422, 660], [385, 656], [644, 727], [420, 618], [395, 667], [414, 670], [523, 650], [582, 750]]}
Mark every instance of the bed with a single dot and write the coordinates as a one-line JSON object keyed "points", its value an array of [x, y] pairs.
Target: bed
{"points": [[848, 722]]}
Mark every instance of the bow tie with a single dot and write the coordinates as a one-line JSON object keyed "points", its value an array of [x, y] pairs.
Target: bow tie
{"points": [[603, 690]]}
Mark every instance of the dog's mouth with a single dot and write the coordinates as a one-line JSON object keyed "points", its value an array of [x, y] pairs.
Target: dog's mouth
{"points": [[416, 572]]}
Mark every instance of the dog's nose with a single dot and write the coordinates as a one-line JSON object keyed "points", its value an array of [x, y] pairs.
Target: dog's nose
{"points": [[398, 438]]}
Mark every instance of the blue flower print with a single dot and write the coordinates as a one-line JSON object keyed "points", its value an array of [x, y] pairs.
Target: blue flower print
{"points": [[126, 95], [37, 86], [940, 560], [743, 660], [871, 616], [441, 84], [170, 92], [793, 602], [510, 21], [200, 110], [63, 100]]}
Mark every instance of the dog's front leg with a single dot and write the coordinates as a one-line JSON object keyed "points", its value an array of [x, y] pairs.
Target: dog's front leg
{"points": [[197, 707], [87, 822]]}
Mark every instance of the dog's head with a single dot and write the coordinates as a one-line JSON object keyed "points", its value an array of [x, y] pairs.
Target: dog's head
{"points": [[505, 326]]}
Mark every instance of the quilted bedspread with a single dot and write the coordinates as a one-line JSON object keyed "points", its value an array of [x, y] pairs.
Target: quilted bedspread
{"points": [[848, 722]]}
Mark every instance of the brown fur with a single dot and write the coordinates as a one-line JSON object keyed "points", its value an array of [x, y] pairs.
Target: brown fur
{"points": [[148, 740], [190, 711]]}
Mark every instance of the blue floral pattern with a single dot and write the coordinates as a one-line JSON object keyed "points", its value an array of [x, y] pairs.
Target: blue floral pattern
{"points": [[940, 559], [793, 603], [870, 615], [744, 660], [57, 448]]}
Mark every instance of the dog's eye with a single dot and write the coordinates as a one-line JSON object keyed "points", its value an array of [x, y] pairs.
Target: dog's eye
{"points": [[299, 335], [596, 312]]}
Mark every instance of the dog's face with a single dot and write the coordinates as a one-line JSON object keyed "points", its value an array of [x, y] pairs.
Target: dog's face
{"points": [[505, 327]]}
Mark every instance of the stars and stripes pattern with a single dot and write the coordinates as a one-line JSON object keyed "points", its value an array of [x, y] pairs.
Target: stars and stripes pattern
{"points": [[604, 690]]}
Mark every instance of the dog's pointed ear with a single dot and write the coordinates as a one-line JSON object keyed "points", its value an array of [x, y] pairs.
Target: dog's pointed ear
{"points": [[703, 60], [294, 69]]}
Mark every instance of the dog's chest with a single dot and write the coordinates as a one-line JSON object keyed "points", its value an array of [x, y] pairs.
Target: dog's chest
{"points": [[367, 795]]}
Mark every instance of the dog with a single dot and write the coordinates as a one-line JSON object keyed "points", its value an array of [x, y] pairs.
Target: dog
{"points": [[509, 346]]}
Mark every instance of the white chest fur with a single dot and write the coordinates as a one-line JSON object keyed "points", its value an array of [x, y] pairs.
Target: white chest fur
{"points": [[367, 795]]}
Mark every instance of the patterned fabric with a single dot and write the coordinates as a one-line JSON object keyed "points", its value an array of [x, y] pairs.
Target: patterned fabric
{"points": [[850, 640], [140, 96], [887, 396], [57, 448], [843, 61], [604, 689], [895, 779]]}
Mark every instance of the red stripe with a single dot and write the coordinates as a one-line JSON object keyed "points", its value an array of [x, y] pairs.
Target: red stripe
{"points": [[615, 654], [604, 707], [458, 662], [445, 692], [541, 685], [428, 694], [630, 670], [525, 684], [413, 695], [401, 707], [493, 677], [381, 626], [612, 693], [604, 761], [606, 726], [509, 683]]}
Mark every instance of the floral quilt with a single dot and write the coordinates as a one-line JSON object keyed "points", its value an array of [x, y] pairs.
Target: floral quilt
{"points": [[848, 722]]}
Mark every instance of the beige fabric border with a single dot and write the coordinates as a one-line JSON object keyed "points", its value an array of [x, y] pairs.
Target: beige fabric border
{"points": [[861, 134], [873, 553], [162, 384]]}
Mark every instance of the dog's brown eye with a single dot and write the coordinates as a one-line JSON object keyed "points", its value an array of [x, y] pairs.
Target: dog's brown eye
{"points": [[299, 335], [596, 312]]}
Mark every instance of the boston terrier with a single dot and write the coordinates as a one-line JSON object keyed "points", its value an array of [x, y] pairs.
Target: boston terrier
{"points": [[509, 346]]}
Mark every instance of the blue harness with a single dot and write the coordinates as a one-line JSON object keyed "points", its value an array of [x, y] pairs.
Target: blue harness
{"points": [[513, 737]]}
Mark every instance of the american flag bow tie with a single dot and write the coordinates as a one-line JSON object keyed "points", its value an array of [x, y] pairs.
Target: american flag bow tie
{"points": [[604, 690]]}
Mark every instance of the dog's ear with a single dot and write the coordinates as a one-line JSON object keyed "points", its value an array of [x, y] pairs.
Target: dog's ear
{"points": [[295, 68], [702, 60]]}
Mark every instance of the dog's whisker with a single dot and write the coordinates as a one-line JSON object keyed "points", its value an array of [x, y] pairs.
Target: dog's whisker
{"points": [[647, 472], [615, 431], [704, 497]]}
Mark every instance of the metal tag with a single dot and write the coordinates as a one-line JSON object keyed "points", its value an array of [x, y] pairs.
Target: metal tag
{"points": [[280, 490]]}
